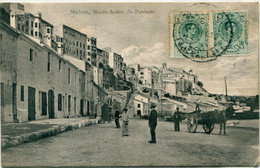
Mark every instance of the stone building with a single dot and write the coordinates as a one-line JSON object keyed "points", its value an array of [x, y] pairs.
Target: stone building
{"points": [[115, 61], [145, 76], [91, 50], [73, 42], [38, 83], [30, 24], [77, 45], [177, 81], [141, 105], [102, 57], [105, 57], [46, 85], [8, 41]]}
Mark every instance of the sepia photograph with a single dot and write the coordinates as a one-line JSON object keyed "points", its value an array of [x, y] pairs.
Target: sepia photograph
{"points": [[128, 84]]}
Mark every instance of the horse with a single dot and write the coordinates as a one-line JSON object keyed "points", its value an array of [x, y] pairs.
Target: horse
{"points": [[220, 118]]}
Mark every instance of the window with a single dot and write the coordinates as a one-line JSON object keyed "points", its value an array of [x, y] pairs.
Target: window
{"points": [[27, 23], [69, 76], [88, 53], [75, 78], [80, 45], [83, 46], [59, 65], [19, 19], [40, 34], [69, 105], [63, 102], [88, 47], [31, 54], [36, 25], [36, 33], [39, 25], [48, 30], [18, 26], [49, 62], [77, 43], [32, 24], [59, 102], [22, 27], [22, 93], [31, 32], [40, 100], [138, 105]]}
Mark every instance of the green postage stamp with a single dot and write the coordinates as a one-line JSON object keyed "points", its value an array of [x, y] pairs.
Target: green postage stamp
{"points": [[204, 36], [230, 33], [190, 32]]}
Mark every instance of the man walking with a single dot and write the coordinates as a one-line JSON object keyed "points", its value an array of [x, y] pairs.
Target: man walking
{"points": [[125, 118], [153, 123], [176, 120], [117, 119]]}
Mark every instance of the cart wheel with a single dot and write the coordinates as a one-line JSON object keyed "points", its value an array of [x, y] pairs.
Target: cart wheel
{"points": [[192, 123], [208, 128]]}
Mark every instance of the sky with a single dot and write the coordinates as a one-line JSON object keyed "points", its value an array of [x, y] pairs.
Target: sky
{"points": [[140, 33]]}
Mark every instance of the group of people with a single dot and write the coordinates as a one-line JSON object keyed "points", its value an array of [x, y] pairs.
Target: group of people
{"points": [[125, 118], [152, 122]]}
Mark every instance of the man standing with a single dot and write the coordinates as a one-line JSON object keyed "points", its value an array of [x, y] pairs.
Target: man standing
{"points": [[153, 123], [176, 120], [125, 118], [117, 119]]}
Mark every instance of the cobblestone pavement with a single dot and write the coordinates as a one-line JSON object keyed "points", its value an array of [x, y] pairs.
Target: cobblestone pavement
{"points": [[103, 145]]}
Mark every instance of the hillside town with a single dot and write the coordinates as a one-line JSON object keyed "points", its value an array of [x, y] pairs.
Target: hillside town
{"points": [[52, 71]]}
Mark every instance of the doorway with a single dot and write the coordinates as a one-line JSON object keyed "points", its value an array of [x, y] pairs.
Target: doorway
{"points": [[138, 112], [51, 104], [81, 107], [31, 103]]}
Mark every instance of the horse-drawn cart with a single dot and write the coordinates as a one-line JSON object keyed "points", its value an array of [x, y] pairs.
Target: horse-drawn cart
{"points": [[207, 119]]}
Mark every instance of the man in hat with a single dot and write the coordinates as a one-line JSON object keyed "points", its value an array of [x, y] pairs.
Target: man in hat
{"points": [[117, 116], [176, 120], [153, 123], [125, 118]]}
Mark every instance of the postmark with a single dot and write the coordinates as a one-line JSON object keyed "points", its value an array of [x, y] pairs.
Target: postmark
{"points": [[230, 27], [207, 35]]}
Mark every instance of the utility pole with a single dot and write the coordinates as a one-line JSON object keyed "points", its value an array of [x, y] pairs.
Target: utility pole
{"points": [[226, 89]]}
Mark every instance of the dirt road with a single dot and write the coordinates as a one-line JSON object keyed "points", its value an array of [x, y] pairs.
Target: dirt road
{"points": [[103, 145]]}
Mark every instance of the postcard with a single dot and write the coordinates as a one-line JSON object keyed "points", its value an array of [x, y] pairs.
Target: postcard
{"points": [[102, 84]]}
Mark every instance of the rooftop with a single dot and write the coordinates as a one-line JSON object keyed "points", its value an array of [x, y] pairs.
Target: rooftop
{"points": [[80, 64]]}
